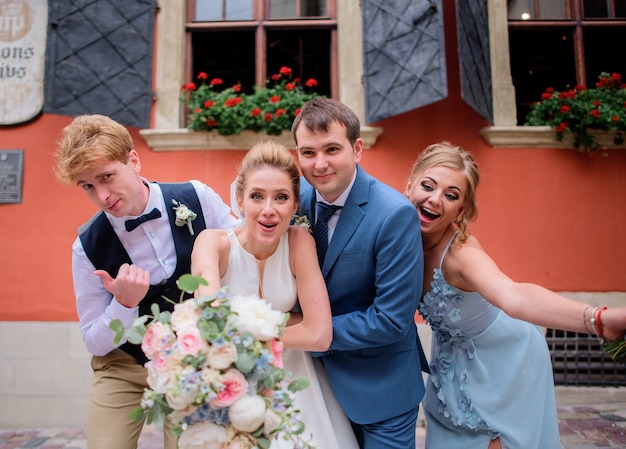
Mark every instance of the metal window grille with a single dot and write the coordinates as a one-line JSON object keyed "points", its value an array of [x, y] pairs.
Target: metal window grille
{"points": [[578, 359]]}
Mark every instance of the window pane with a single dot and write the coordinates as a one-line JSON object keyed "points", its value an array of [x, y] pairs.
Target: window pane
{"points": [[551, 9], [620, 8], [313, 8], [209, 10], [283, 8], [280, 9], [238, 9], [539, 59], [228, 55], [307, 53], [596, 8], [520, 9], [600, 54]]}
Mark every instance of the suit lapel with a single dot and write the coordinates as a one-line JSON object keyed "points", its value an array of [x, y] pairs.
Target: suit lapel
{"points": [[351, 216]]}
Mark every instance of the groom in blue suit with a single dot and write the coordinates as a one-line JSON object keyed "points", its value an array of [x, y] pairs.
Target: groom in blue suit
{"points": [[373, 269]]}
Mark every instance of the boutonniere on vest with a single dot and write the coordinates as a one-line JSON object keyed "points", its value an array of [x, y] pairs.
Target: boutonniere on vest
{"points": [[184, 215], [302, 220]]}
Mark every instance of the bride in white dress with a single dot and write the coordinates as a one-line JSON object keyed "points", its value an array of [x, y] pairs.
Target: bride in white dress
{"points": [[278, 262]]}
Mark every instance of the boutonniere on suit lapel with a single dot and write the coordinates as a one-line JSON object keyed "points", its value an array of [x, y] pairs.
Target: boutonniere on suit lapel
{"points": [[184, 215]]}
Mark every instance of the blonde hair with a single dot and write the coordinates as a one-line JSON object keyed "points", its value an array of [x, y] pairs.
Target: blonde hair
{"points": [[88, 140], [445, 154], [268, 153]]}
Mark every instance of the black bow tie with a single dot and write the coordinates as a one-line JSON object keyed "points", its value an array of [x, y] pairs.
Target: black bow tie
{"points": [[132, 224]]}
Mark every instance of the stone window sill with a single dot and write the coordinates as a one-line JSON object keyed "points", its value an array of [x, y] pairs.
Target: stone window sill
{"points": [[184, 140], [538, 137]]}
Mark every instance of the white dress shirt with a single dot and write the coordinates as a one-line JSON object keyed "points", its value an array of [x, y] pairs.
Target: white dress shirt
{"points": [[151, 247]]}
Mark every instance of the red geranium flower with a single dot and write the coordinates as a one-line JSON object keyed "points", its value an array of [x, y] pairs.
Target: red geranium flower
{"points": [[255, 112], [311, 82], [232, 101], [565, 108], [267, 117], [562, 127], [595, 113], [202, 76], [290, 86], [189, 87], [216, 81], [285, 71], [208, 104], [546, 95], [280, 112], [274, 99]]}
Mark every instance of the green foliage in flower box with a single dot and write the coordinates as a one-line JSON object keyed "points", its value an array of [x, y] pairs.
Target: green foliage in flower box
{"points": [[580, 110], [269, 109]]}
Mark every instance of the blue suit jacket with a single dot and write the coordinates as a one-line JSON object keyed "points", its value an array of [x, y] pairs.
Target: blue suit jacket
{"points": [[374, 273]]}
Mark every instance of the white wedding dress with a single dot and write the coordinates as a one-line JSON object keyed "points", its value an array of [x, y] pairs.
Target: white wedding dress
{"points": [[319, 410]]}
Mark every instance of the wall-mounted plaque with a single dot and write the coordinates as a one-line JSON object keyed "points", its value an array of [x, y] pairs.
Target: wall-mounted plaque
{"points": [[11, 175], [23, 28]]}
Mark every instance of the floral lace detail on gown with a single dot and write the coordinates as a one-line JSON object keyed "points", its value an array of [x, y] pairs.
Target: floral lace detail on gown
{"points": [[481, 360], [442, 307]]}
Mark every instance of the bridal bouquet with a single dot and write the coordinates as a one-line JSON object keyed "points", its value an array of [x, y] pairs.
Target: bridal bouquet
{"points": [[215, 369]]}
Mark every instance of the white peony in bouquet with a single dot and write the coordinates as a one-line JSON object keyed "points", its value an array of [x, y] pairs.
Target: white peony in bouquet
{"points": [[215, 369]]}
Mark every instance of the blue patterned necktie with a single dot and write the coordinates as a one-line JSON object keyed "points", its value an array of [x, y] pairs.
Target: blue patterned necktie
{"points": [[320, 230], [132, 224]]}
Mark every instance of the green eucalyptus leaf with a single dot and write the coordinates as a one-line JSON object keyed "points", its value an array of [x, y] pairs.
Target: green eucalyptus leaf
{"points": [[118, 327], [299, 384], [190, 283], [135, 334], [138, 414], [245, 362]]}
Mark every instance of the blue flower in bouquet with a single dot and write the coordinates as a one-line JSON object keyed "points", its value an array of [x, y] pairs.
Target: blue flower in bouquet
{"points": [[215, 369]]}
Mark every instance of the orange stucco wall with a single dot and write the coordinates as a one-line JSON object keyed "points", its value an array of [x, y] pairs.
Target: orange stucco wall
{"points": [[550, 216]]}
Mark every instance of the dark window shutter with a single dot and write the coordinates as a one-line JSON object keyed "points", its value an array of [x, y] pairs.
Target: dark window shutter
{"points": [[403, 56], [99, 59], [472, 22]]}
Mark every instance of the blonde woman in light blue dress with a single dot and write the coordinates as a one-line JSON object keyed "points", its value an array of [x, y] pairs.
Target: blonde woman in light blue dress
{"points": [[490, 383]]}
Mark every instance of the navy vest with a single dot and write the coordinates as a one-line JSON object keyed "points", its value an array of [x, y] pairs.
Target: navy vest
{"points": [[105, 251]]}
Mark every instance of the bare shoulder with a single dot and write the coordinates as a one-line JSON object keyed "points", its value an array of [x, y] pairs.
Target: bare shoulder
{"points": [[459, 258], [212, 237], [299, 234]]}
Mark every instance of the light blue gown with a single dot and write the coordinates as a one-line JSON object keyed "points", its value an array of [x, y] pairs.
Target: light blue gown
{"points": [[490, 375]]}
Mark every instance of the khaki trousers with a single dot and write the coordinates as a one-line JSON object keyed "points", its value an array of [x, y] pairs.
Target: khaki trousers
{"points": [[116, 390]]}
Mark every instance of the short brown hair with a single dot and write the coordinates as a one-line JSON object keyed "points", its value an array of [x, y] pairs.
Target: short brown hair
{"points": [[318, 114]]}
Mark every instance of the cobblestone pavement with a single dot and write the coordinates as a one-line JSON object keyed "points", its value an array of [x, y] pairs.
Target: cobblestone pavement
{"points": [[599, 426]]}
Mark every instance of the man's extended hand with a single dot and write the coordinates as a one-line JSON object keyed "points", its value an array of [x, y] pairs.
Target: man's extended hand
{"points": [[129, 287]]}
